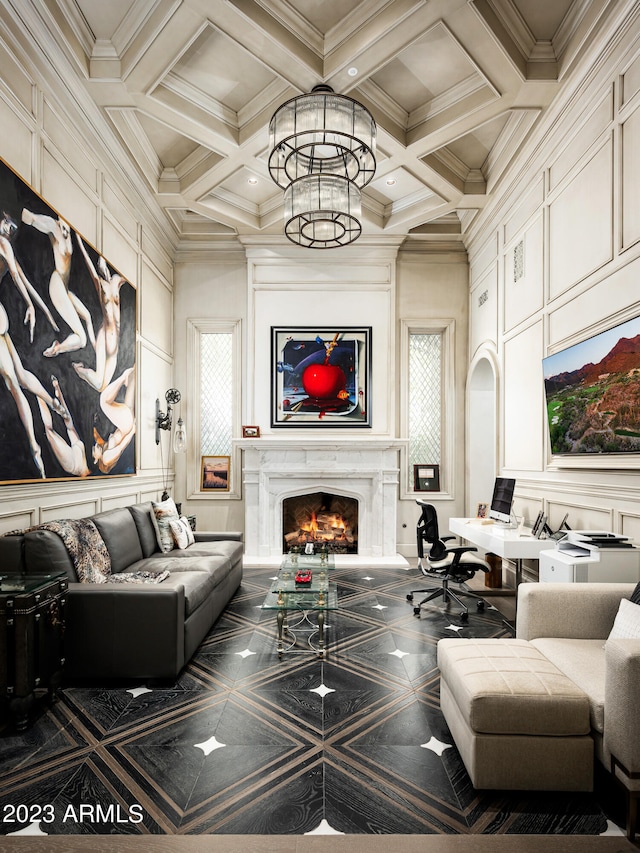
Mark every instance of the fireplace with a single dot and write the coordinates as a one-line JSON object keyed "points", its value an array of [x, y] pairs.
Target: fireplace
{"points": [[322, 519], [363, 469]]}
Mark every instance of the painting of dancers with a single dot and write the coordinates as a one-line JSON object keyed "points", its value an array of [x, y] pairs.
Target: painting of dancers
{"points": [[320, 377], [67, 348]]}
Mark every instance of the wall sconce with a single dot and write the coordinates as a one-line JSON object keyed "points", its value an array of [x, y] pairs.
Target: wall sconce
{"points": [[180, 437], [164, 421]]}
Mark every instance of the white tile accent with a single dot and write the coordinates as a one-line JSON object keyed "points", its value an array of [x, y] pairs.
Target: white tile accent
{"points": [[322, 691], [208, 746], [324, 828], [436, 745]]}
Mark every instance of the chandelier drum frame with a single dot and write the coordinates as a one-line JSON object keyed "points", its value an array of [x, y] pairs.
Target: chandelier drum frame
{"points": [[311, 153], [322, 211]]}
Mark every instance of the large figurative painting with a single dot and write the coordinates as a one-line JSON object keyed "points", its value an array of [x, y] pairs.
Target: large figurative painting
{"points": [[320, 376], [593, 393], [67, 348]]}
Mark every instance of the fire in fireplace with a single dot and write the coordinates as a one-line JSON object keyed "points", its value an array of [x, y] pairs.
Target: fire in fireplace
{"points": [[322, 519]]}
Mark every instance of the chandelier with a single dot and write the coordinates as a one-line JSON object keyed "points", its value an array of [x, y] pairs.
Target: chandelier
{"points": [[322, 154]]}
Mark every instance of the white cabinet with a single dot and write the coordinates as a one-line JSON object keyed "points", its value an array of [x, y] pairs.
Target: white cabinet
{"points": [[614, 565]]}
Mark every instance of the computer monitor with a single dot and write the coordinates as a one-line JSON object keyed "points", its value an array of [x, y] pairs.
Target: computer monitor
{"points": [[502, 499]]}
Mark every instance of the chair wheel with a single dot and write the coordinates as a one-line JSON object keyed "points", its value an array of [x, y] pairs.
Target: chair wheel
{"points": [[416, 611], [410, 597], [480, 605], [464, 616]]}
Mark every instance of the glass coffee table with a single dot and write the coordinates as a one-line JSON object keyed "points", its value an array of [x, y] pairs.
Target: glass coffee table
{"points": [[295, 602], [313, 562]]}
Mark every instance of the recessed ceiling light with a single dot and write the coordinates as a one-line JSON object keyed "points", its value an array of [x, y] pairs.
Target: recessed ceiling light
{"points": [[391, 182], [352, 71]]}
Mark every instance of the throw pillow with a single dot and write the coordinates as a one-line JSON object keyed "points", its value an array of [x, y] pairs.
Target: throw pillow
{"points": [[182, 533], [627, 622], [164, 512], [635, 595]]}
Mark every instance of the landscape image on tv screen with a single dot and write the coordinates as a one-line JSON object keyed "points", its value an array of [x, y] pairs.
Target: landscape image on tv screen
{"points": [[593, 393]]}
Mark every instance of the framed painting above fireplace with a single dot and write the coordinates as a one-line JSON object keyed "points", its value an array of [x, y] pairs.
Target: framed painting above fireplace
{"points": [[321, 376]]}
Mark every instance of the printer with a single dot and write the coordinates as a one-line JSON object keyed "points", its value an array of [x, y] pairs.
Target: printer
{"points": [[591, 556]]}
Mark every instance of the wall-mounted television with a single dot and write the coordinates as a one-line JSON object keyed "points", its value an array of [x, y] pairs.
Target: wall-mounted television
{"points": [[593, 393]]}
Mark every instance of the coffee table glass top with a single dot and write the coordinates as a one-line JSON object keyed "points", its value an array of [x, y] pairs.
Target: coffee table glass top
{"points": [[317, 594], [286, 581], [307, 561]]}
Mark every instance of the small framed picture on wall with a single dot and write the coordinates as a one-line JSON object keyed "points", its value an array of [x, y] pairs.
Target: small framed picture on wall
{"points": [[215, 473], [426, 478]]}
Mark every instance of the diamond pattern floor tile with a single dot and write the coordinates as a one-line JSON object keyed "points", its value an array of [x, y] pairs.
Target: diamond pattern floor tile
{"points": [[246, 743]]}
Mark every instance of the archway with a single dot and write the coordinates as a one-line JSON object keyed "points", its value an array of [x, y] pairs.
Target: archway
{"points": [[482, 438]]}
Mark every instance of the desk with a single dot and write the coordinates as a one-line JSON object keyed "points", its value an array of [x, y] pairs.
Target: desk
{"points": [[504, 541]]}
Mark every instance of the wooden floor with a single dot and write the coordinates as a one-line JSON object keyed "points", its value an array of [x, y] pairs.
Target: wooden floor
{"points": [[249, 752], [504, 598], [319, 844]]}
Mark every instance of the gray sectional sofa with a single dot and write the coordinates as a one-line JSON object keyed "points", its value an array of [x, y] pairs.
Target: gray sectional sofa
{"points": [[135, 630]]}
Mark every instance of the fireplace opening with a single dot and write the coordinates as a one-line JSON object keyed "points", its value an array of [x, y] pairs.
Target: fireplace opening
{"points": [[322, 519]]}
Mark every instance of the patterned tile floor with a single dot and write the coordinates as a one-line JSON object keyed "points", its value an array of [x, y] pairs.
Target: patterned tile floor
{"points": [[244, 743]]}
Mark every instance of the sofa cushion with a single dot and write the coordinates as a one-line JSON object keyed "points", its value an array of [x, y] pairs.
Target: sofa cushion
{"points": [[583, 661], [198, 577], [120, 535], [12, 552], [85, 546], [232, 551], [198, 587], [510, 687], [45, 552], [177, 561], [142, 514], [164, 512], [635, 595]]}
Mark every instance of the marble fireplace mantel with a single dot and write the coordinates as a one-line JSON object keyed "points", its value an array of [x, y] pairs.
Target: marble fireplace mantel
{"points": [[367, 469]]}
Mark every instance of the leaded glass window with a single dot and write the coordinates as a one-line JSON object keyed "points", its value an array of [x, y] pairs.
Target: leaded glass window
{"points": [[216, 393], [425, 399]]}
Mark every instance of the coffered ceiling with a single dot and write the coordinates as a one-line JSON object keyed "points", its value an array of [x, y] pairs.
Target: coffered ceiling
{"points": [[189, 87]]}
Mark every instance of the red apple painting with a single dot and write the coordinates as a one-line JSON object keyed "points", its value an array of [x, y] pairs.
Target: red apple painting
{"points": [[324, 381], [320, 376]]}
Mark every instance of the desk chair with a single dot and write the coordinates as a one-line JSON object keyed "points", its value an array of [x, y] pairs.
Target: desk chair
{"points": [[447, 564]]}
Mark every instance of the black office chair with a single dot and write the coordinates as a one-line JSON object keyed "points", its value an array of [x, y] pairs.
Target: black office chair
{"points": [[449, 564]]}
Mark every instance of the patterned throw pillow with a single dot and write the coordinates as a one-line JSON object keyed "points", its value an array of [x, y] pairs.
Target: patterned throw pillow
{"points": [[164, 513], [182, 533], [635, 595], [627, 622]]}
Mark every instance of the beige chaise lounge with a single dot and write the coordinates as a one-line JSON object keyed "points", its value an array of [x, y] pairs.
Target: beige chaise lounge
{"points": [[531, 712]]}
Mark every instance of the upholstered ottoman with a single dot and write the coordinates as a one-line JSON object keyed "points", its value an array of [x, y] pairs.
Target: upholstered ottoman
{"points": [[518, 722]]}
